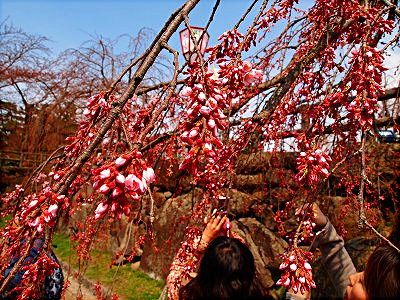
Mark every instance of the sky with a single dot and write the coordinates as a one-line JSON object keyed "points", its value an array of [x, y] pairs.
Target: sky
{"points": [[68, 23]]}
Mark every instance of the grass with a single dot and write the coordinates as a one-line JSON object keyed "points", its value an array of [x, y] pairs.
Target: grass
{"points": [[3, 221], [128, 283]]}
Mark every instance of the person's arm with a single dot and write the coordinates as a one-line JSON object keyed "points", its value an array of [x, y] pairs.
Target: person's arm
{"points": [[334, 255], [185, 261]]}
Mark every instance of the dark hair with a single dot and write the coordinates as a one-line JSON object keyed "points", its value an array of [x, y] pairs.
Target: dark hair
{"points": [[382, 274], [226, 271]]}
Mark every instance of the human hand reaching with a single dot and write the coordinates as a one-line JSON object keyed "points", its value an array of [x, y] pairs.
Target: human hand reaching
{"points": [[319, 218], [216, 226]]}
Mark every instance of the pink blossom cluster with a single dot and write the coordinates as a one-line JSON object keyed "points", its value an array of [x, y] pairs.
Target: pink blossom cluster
{"points": [[203, 118], [281, 216], [251, 74], [208, 97], [228, 46], [97, 108], [306, 232], [120, 180], [235, 75], [365, 84], [297, 271], [41, 210], [364, 77], [374, 22], [56, 175], [138, 116], [274, 14], [312, 165], [101, 294]]}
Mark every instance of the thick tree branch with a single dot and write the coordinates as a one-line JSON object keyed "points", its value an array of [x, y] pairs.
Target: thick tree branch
{"points": [[395, 8]]}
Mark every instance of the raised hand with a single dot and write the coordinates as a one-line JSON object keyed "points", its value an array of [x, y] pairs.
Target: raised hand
{"points": [[216, 226]]}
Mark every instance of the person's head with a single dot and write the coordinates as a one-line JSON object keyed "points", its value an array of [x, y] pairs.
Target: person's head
{"points": [[381, 278], [226, 271], [382, 274]]}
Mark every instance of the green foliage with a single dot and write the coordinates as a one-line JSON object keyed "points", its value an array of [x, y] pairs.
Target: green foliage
{"points": [[3, 221], [127, 283]]}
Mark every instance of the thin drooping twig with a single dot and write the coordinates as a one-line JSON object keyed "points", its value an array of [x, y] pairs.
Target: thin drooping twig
{"points": [[44, 164], [331, 84], [211, 18], [256, 19], [166, 101], [363, 175], [151, 211], [297, 234], [245, 14], [380, 235], [159, 156], [289, 26], [362, 216], [146, 89], [128, 140], [393, 40], [127, 69], [158, 140], [129, 233], [143, 90], [346, 158]]}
